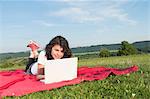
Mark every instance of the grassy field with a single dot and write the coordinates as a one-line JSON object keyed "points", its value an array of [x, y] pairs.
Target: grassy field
{"points": [[133, 86]]}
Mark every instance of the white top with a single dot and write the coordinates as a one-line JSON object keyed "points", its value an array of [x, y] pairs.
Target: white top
{"points": [[42, 58]]}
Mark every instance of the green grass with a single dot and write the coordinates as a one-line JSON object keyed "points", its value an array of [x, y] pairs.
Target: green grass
{"points": [[133, 86]]}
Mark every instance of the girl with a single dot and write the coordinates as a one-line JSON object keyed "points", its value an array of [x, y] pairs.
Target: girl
{"points": [[57, 48]]}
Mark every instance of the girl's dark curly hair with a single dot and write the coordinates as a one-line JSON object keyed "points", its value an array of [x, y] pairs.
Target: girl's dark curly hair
{"points": [[58, 40]]}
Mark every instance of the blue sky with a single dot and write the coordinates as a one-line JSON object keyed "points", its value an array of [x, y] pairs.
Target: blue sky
{"points": [[82, 22]]}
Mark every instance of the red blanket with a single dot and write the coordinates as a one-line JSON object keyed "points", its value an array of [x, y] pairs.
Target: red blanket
{"points": [[17, 83]]}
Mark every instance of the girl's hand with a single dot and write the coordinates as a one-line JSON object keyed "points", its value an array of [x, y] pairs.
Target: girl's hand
{"points": [[39, 77]]}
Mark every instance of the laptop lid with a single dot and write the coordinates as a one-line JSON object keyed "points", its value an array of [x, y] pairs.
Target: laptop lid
{"points": [[60, 70]]}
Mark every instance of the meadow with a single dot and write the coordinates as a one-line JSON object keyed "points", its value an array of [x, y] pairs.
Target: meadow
{"points": [[133, 86]]}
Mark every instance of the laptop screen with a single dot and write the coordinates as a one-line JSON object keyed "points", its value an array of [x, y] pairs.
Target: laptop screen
{"points": [[60, 70]]}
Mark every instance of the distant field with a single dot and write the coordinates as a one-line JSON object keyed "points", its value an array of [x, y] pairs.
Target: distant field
{"points": [[133, 86], [94, 52]]}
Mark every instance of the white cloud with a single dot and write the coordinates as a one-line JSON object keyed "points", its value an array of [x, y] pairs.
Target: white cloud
{"points": [[77, 14], [69, 11], [117, 14], [44, 23], [96, 11]]}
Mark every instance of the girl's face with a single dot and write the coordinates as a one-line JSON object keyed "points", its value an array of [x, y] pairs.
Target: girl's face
{"points": [[57, 52]]}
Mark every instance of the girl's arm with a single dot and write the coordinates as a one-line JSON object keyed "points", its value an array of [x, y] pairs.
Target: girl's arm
{"points": [[40, 69], [41, 62], [40, 74]]}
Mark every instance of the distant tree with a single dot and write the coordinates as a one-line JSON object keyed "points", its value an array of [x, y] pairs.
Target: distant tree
{"points": [[127, 49], [104, 52]]}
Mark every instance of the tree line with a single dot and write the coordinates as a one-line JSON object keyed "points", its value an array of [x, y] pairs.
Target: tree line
{"points": [[125, 49]]}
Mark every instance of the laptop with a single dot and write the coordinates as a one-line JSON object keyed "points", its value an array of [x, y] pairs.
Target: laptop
{"points": [[60, 70]]}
